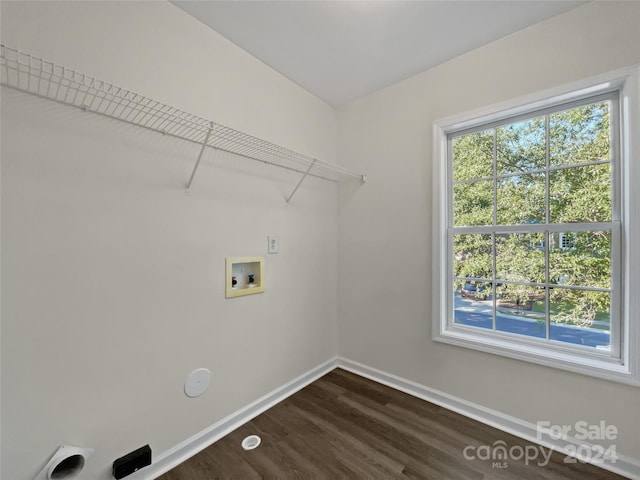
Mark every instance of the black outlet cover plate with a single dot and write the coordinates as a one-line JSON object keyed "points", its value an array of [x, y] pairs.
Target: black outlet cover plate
{"points": [[132, 462]]}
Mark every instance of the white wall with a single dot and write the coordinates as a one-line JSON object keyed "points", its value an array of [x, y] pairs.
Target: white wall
{"points": [[113, 278], [385, 233]]}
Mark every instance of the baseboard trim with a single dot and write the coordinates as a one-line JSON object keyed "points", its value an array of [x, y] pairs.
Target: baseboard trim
{"points": [[625, 465], [201, 440]]}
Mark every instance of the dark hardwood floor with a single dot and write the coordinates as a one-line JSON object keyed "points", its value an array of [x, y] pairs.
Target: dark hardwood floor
{"points": [[345, 426]]}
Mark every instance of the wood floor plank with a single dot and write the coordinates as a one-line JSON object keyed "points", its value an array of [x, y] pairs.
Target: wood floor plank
{"points": [[346, 426], [346, 439]]}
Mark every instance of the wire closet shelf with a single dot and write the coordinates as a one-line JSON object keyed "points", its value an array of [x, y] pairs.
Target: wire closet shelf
{"points": [[27, 73]]}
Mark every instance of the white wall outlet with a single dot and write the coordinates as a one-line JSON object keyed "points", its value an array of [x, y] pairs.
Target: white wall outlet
{"points": [[274, 244]]}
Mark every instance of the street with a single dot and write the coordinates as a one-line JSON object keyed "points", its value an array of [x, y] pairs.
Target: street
{"points": [[479, 314]]}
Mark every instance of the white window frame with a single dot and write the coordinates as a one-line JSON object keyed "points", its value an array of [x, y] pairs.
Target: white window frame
{"points": [[621, 364]]}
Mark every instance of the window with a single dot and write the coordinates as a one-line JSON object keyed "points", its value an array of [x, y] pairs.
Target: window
{"points": [[533, 217], [565, 240]]}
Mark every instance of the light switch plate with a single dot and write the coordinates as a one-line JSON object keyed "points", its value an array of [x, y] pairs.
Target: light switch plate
{"points": [[274, 244]]}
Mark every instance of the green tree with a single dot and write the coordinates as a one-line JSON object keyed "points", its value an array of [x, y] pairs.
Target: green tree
{"points": [[503, 176]]}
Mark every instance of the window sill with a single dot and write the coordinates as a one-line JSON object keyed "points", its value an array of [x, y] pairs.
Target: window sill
{"points": [[603, 368]]}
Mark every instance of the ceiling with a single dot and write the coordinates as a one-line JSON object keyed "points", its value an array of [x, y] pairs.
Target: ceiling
{"points": [[344, 50]]}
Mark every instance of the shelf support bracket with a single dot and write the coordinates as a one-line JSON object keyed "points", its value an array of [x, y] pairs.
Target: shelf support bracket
{"points": [[195, 167], [301, 180]]}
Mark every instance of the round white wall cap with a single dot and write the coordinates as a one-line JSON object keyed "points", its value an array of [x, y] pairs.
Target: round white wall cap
{"points": [[197, 382]]}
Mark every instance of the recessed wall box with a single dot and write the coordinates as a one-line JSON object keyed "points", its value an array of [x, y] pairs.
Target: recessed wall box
{"points": [[244, 276]]}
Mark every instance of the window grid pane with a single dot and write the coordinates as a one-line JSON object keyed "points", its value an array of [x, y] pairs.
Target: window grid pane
{"points": [[533, 184]]}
